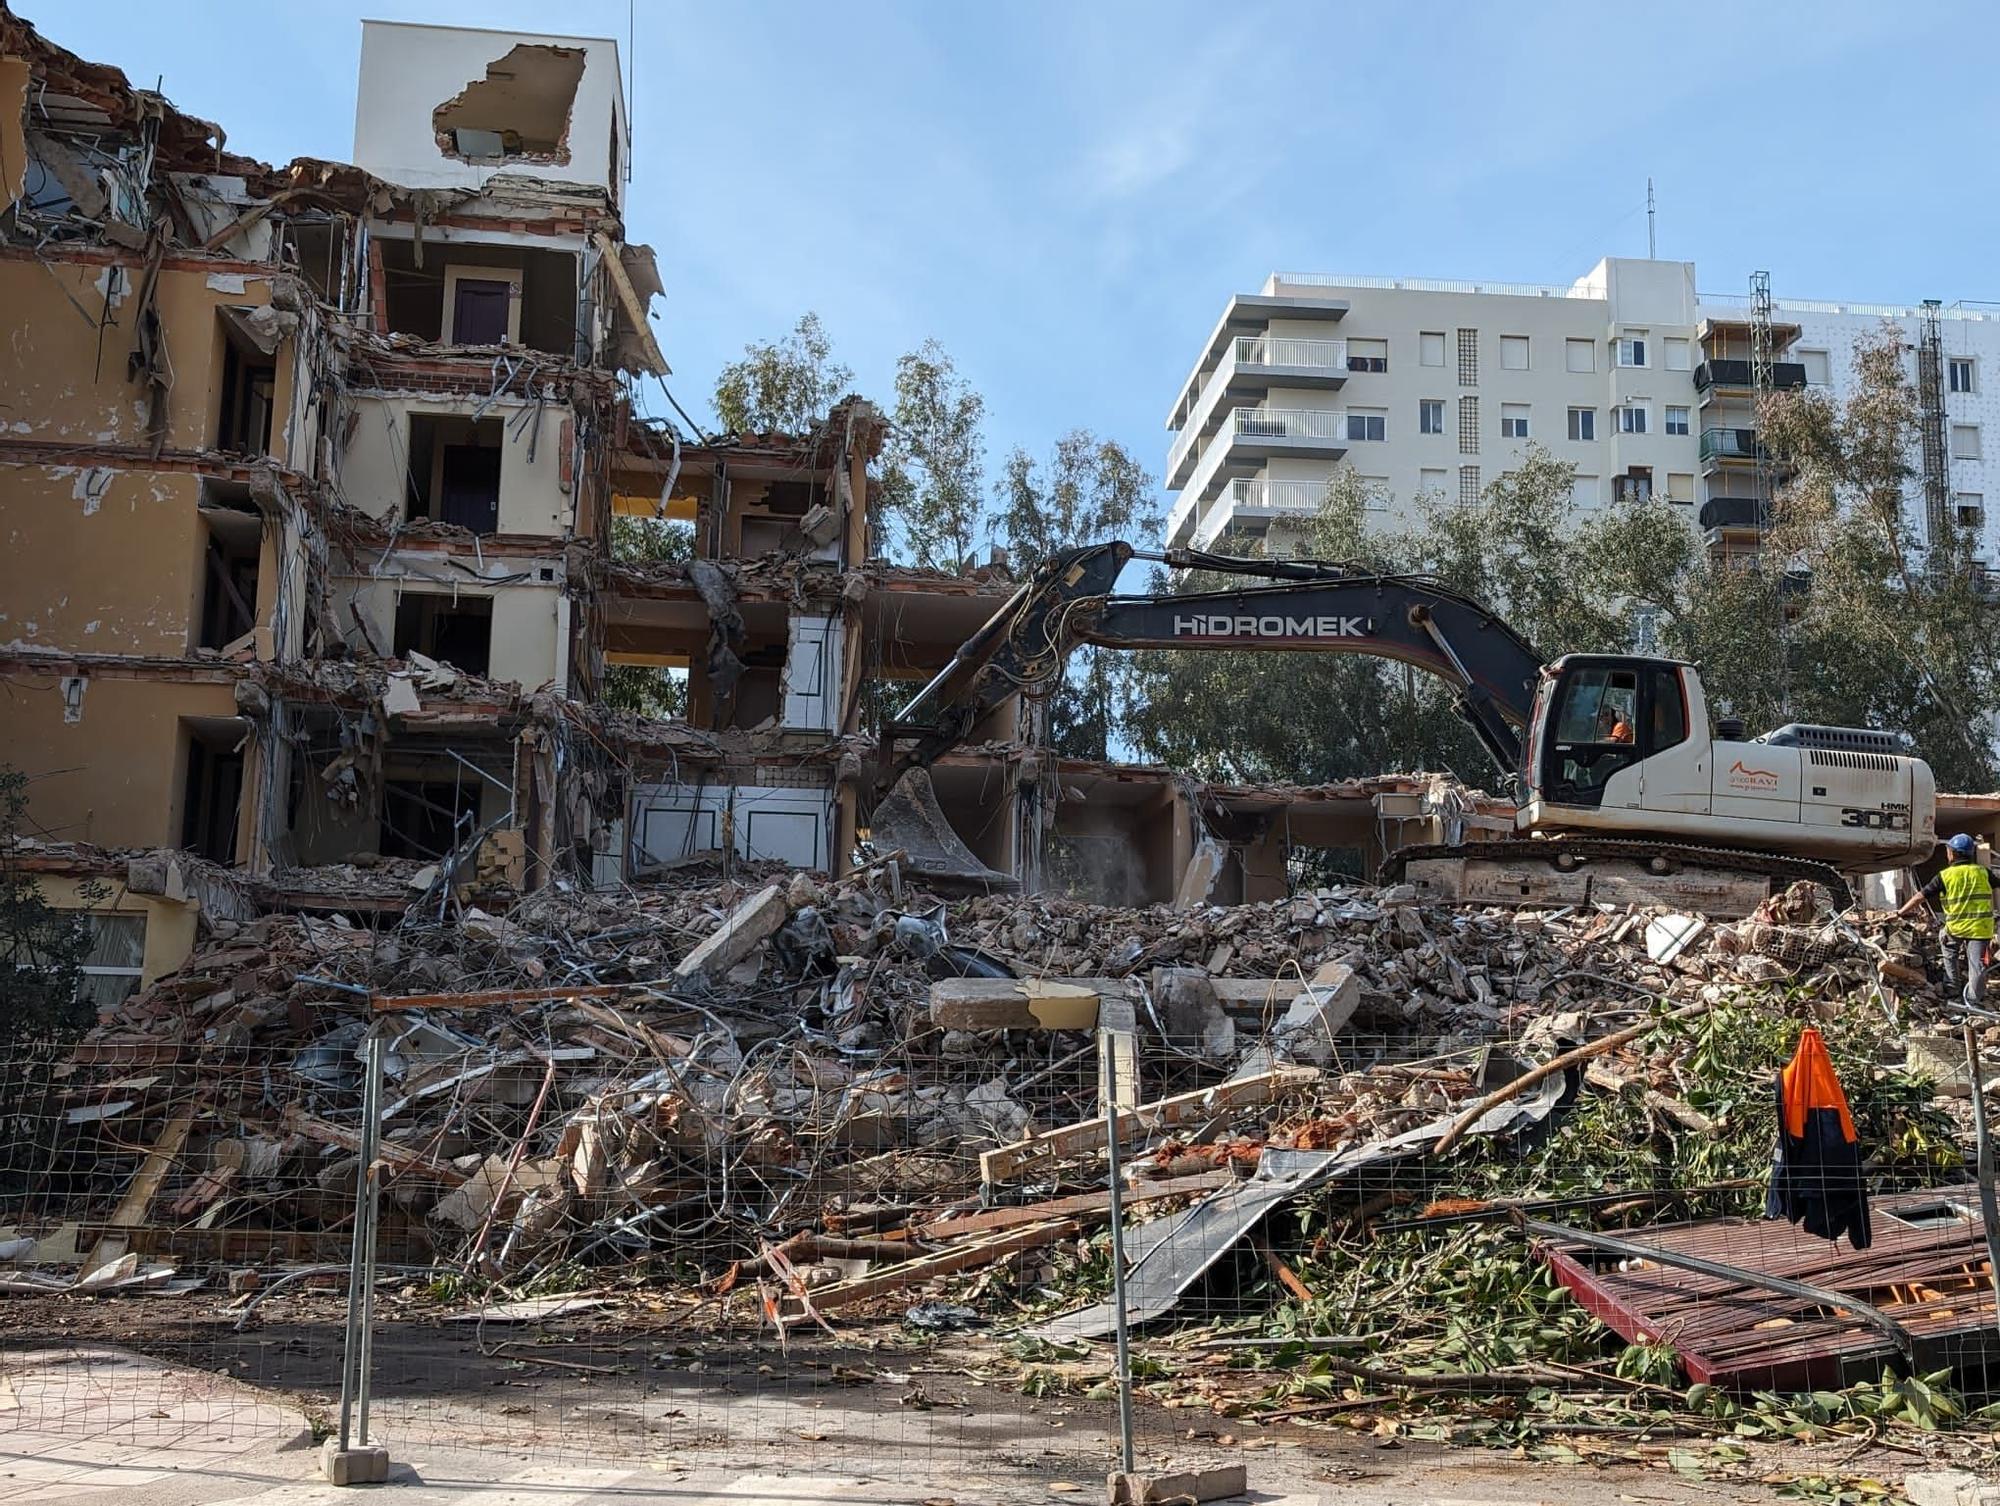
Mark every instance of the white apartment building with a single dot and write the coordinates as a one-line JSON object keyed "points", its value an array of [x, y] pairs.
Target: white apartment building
{"points": [[1419, 386]]}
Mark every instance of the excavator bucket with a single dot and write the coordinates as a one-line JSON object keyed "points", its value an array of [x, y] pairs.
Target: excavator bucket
{"points": [[909, 818]]}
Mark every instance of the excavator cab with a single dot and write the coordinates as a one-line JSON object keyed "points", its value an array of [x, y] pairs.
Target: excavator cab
{"points": [[1597, 716]]}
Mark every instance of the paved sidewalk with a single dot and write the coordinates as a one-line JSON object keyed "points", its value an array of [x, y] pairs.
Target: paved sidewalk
{"points": [[80, 1424]]}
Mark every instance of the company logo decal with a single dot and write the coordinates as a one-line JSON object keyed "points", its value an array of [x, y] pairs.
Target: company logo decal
{"points": [[1743, 777]]}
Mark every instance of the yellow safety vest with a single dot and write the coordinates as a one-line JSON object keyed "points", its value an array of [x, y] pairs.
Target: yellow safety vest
{"points": [[1968, 901]]}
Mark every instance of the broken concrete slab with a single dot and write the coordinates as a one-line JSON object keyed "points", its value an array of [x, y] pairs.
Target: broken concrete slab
{"points": [[1138, 1489], [754, 921]]}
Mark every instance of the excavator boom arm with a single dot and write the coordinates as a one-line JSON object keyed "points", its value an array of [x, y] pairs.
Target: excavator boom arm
{"points": [[1311, 605]]}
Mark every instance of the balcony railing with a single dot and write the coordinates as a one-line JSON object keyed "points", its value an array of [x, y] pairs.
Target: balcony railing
{"points": [[1288, 423], [1287, 350], [1275, 496], [1728, 444], [1734, 512], [1786, 376]]}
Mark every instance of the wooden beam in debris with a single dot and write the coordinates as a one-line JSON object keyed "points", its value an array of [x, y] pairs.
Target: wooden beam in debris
{"points": [[1082, 1205], [1163, 1113], [631, 302], [500, 996], [924, 1268]]}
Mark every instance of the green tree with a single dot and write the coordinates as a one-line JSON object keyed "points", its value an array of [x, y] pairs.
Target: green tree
{"points": [[1091, 490], [785, 386], [646, 689], [42, 949], [934, 475]]}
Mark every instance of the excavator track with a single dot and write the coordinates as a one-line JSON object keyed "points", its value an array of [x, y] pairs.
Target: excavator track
{"points": [[1578, 853]]}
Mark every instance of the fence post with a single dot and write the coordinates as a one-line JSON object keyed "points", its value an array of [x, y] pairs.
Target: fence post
{"points": [[350, 1459], [1115, 1050]]}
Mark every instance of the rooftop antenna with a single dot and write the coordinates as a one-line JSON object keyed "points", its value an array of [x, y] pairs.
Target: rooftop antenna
{"points": [[1652, 249]]}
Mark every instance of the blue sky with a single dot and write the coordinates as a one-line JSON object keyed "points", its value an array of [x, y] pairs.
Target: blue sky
{"points": [[1065, 194]]}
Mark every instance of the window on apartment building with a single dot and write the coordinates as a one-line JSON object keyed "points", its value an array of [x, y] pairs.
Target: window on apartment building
{"points": [[1630, 349], [1965, 441], [1583, 424], [213, 786], [1513, 420], [1580, 355], [1680, 487], [1584, 491], [455, 470], [1468, 485], [1366, 424], [1375, 493], [1430, 415], [1679, 354], [426, 818], [1971, 508], [116, 960], [1367, 355], [233, 542], [1962, 374], [1635, 486], [1513, 352], [1818, 367], [1468, 426], [1430, 348], [1677, 420], [1631, 418], [459, 633], [1431, 481], [1468, 358], [249, 375]]}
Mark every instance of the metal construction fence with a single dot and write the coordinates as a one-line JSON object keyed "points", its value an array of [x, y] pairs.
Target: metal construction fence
{"points": [[600, 1229]]}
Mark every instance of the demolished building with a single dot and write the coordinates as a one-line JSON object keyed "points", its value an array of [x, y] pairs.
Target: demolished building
{"points": [[315, 473]]}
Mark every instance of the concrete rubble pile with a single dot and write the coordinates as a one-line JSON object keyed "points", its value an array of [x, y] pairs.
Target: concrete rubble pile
{"points": [[849, 1088]]}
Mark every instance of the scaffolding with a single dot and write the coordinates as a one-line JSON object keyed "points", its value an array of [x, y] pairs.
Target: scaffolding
{"points": [[1931, 424]]}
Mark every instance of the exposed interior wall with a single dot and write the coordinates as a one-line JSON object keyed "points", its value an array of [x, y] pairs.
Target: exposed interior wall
{"points": [[66, 381], [116, 774], [374, 471], [142, 538], [790, 822], [416, 295], [171, 924], [408, 72], [329, 831], [1115, 853]]}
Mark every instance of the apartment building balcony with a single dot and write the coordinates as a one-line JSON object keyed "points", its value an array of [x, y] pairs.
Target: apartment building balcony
{"points": [[1247, 440], [1251, 504], [1729, 518], [1250, 366], [1733, 375], [1721, 447]]}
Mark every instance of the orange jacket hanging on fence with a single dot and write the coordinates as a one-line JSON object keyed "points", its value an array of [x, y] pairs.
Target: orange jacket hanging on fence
{"points": [[1816, 1176]]}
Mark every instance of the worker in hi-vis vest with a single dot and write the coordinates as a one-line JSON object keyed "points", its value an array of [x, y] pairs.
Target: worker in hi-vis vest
{"points": [[1963, 889]]}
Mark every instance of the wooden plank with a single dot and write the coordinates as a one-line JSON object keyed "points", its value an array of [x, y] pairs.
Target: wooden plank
{"points": [[1082, 1205], [399, 1157], [500, 996], [131, 1209], [1092, 1134], [629, 300], [924, 1268]]}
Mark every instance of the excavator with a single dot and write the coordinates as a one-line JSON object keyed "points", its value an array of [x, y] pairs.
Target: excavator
{"points": [[1615, 772]]}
